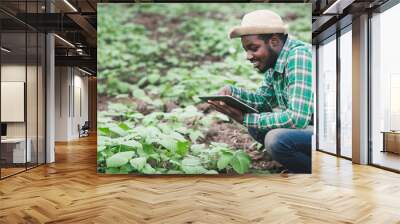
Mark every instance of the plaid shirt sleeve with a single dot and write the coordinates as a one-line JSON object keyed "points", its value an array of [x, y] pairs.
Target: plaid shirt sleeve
{"points": [[300, 96], [262, 99]]}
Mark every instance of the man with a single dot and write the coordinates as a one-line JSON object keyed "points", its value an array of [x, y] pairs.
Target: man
{"points": [[285, 99]]}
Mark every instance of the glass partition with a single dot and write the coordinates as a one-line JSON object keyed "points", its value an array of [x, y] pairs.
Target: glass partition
{"points": [[31, 97], [346, 93], [41, 88], [385, 89], [22, 77], [13, 94], [327, 96]]}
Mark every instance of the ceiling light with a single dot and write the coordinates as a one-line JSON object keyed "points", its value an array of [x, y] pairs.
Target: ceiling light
{"points": [[65, 41], [86, 72], [71, 6], [5, 49]]}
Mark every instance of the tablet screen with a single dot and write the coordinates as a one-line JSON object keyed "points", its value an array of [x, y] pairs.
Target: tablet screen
{"points": [[231, 101]]}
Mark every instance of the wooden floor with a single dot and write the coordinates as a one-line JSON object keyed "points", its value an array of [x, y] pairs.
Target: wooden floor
{"points": [[70, 191], [386, 159]]}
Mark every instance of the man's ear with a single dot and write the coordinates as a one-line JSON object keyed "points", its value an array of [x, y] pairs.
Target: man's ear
{"points": [[275, 41]]}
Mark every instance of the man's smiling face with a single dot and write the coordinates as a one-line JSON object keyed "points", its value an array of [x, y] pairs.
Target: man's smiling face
{"points": [[259, 52]]}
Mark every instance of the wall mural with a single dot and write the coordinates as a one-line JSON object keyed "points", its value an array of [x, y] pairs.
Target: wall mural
{"points": [[156, 60]]}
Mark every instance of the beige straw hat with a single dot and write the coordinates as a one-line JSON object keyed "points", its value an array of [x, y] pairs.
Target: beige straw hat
{"points": [[259, 22]]}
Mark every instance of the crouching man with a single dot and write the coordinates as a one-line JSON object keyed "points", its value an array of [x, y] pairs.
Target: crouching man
{"points": [[285, 99]]}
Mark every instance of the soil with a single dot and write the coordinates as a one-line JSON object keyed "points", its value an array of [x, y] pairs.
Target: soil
{"points": [[290, 16], [141, 106]]}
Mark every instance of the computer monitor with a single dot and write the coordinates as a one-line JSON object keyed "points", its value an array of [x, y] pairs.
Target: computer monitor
{"points": [[3, 129]]}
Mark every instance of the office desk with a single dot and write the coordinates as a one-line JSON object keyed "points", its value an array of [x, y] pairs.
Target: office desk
{"points": [[16, 147], [391, 141]]}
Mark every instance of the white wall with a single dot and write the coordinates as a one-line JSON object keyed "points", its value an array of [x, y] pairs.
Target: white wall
{"points": [[71, 94], [10, 73], [33, 126], [61, 103]]}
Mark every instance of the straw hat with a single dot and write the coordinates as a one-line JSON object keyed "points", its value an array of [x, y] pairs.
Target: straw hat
{"points": [[259, 22]]}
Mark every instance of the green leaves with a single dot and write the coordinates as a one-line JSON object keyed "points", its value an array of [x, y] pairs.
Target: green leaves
{"points": [[182, 148], [148, 169], [138, 163], [119, 159], [240, 162], [132, 144], [224, 159], [192, 165]]}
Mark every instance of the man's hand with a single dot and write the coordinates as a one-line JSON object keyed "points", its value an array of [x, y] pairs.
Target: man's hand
{"points": [[225, 91], [233, 113]]}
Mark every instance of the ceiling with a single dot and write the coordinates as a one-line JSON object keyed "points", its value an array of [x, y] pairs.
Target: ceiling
{"points": [[74, 22], [330, 15]]}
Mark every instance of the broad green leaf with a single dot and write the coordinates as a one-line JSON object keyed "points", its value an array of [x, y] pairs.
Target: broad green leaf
{"points": [[194, 169], [138, 163], [141, 95], [243, 156], [174, 172], [155, 156], [148, 169], [124, 126], [116, 130], [133, 144], [182, 130], [104, 131], [211, 172], [146, 150], [197, 149], [153, 78], [177, 136], [191, 161], [112, 170], [125, 169], [240, 162], [169, 143], [192, 165], [119, 159], [182, 148], [100, 148], [194, 135], [224, 160]]}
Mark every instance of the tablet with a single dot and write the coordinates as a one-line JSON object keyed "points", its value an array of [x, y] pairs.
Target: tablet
{"points": [[231, 101]]}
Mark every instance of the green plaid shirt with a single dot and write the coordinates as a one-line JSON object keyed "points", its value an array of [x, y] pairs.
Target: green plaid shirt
{"points": [[287, 88]]}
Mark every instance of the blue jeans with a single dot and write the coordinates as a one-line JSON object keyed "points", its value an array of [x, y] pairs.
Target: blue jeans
{"points": [[289, 147]]}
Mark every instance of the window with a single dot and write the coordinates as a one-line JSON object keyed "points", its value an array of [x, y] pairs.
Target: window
{"points": [[327, 96], [346, 93], [385, 85]]}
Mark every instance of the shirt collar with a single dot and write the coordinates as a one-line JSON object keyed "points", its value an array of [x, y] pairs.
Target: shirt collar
{"points": [[283, 55]]}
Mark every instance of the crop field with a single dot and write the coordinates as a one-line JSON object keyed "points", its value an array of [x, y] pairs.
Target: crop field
{"points": [[154, 60]]}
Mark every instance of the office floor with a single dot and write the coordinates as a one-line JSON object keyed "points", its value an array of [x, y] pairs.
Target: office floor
{"points": [[70, 191], [386, 159], [9, 170]]}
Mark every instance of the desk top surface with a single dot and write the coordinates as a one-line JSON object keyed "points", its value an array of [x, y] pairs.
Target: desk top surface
{"points": [[391, 132], [13, 140]]}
